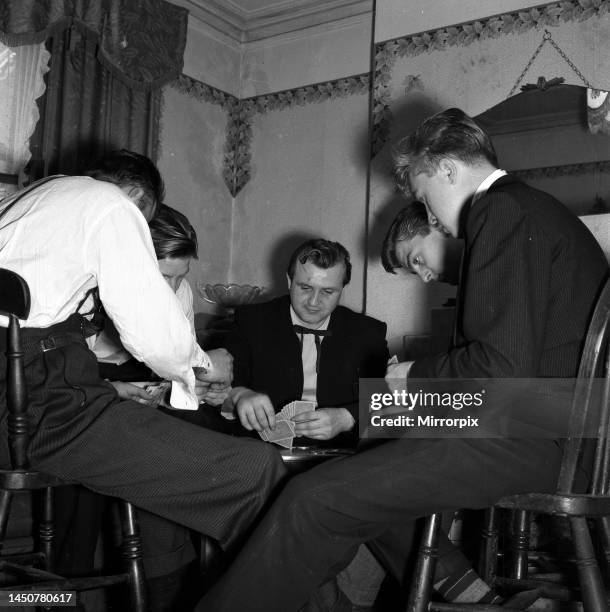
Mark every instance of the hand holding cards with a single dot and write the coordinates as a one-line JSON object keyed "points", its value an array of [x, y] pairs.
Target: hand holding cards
{"points": [[156, 392], [283, 432]]}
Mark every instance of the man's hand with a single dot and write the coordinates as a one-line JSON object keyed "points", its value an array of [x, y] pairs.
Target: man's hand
{"points": [[128, 391], [213, 394], [221, 370], [323, 423], [255, 410], [396, 375]]}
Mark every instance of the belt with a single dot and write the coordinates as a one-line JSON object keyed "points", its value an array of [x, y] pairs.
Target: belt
{"points": [[36, 346], [35, 341]]}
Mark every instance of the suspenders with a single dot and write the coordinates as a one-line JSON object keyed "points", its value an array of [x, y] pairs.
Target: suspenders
{"points": [[28, 190], [96, 324]]}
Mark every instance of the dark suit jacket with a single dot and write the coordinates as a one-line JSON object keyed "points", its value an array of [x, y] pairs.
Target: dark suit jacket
{"points": [[267, 354], [531, 275]]}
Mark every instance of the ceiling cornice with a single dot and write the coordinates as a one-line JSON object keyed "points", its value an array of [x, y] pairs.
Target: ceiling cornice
{"points": [[284, 17]]}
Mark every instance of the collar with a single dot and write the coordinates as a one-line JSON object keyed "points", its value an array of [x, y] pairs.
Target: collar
{"points": [[487, 183], [296, 320]]}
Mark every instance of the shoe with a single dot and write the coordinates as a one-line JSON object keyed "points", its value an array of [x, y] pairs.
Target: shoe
{"points": [[330, 598]]}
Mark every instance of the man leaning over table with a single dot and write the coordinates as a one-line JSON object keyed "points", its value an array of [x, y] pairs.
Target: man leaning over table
{"points": [[67, 236]]}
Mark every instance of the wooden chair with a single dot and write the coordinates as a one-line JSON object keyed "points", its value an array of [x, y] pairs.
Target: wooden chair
{"points": [[590, 403], [34, 571]]}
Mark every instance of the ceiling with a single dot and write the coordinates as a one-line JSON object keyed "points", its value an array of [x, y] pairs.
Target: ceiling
{"points": [[249, 20]]}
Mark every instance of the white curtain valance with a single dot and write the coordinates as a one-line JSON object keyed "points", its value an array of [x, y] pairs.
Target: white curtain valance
{"points": [[21, 81]]}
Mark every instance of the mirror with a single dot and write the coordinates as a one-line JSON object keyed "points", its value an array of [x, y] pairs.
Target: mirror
{"points": [[542, 136]]}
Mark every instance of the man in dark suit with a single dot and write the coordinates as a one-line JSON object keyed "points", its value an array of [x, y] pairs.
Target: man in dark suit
{"points": [[530, 278], [305, 346]]}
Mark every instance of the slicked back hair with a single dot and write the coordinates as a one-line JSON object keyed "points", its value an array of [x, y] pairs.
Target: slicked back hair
{"points": [[411, 221], [323, 254], [128, 169], [449, 134], [173, 235]]}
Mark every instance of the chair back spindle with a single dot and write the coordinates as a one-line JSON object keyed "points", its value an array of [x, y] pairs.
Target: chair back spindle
{"points": [[16, 398], [590, 404], [15, 304]]}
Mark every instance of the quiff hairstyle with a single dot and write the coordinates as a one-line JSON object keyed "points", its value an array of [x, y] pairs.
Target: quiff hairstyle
{"points": [[411, 221], [128, 169], [449, 134], [172, 234], [323, 254]]}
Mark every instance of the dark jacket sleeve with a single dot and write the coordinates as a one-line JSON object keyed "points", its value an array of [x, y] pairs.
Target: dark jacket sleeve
{"points": [[503, 297], [374, 359]]}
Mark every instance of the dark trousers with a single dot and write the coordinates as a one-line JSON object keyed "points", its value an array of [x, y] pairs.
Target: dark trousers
{"points": [[319, 519], [209, 482]]}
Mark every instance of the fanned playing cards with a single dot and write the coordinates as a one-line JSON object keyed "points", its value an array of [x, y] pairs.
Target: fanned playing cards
{"points": [[283, 433]]}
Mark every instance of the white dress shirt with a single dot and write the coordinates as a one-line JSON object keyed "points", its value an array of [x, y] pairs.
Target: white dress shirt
{"points": [[487, 183], [309, 354], [107, 345], [74, 233]]}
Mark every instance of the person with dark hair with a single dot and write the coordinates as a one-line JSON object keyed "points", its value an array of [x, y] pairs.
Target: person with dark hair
{"points": [[167, 549], [173, 235], [305, 346], [530, 277], [72, 238], [175, 244], [135, 174], [412, 244], [323, 254]]}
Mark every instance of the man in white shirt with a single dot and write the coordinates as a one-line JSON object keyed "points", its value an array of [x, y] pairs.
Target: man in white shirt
{"points": [[65, 236]]}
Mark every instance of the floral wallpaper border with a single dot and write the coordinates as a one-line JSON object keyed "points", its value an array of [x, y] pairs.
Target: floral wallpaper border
{"points": [[386, 53], [241, 113]]}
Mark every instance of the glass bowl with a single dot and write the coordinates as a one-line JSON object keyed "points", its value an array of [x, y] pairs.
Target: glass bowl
{"points": [[230, 295]]}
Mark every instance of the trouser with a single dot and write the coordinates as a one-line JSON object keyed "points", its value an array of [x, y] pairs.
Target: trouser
{"points": [[207, 481], [167, 547], [320, 518]]}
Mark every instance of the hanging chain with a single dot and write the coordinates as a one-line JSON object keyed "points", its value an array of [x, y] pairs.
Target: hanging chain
{"points": [[547, 37]]}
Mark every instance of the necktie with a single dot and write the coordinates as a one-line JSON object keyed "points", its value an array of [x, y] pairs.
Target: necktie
{"points": [[317, 334]]}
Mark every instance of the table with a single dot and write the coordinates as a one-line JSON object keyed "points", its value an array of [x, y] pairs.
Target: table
{"points": [[301, 458]]}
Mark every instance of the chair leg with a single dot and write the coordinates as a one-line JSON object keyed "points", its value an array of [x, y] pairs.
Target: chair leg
{"points": [[5, 508], [603, 526], [131, 550], [488, 558], [591, 584], [419, 595], [520, 544], [46, 529]]}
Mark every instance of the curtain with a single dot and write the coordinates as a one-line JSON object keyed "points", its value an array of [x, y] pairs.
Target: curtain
{"points": [[109, 59], [87, 110], [140, 41], [21, 82]]}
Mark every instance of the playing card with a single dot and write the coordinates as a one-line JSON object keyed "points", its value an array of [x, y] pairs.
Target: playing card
{"points": [[283, 429], [285, 442], [303, 406], [156, 390], [287, 412]]}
